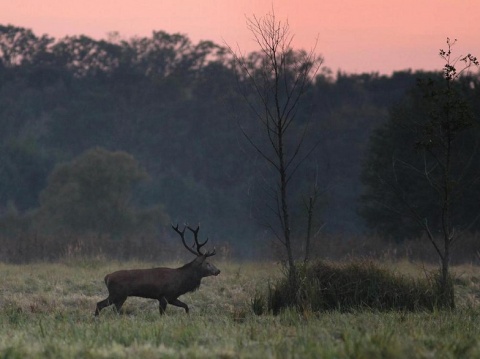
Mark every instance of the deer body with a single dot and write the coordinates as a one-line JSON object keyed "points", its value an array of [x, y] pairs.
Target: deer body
{"points": [[152, 283], [163, 284]]}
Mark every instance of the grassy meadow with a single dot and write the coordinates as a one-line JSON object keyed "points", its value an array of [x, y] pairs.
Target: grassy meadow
{"points": [[46, 311]]}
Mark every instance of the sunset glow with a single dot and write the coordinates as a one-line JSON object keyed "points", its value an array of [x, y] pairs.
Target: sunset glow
{"points": [[353, 36]]}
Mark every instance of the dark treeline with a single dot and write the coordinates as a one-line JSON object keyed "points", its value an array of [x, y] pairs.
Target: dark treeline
{"points": [[174, 106]]}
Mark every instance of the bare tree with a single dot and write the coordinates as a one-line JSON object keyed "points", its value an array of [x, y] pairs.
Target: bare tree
{"points": [[443, 165], [449, 117], [279, 77]]}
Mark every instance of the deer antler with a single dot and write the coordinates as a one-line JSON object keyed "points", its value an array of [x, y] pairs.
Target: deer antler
{"points": [[200, 245], [182, 235], [196, 245]]}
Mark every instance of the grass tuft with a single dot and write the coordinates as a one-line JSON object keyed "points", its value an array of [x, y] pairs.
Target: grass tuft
{"points": [[259, 303], [324, 286]]}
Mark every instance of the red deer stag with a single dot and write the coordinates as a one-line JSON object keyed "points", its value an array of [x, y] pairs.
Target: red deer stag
{"points": [[163, 284]]}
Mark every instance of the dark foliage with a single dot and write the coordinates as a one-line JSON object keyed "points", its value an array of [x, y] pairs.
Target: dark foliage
{"points": [[393, 173], [92, 194]]}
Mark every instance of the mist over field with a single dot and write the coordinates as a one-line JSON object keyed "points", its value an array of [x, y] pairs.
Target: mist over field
{"points": [[109, 142]]}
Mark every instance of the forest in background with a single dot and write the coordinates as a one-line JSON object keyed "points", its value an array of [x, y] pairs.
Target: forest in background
{"points": [[175, 108]]}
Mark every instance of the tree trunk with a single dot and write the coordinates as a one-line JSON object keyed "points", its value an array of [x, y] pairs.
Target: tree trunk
{"points": [[309, 229], [283, 200], [447, 292]]}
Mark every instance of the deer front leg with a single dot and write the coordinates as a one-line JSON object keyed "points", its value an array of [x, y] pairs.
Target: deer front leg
{"points": [[162, 304], [119, 303], [179, 303]]}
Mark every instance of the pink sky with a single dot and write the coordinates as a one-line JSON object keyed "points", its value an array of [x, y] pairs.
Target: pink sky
{"points": [[353, 35]]}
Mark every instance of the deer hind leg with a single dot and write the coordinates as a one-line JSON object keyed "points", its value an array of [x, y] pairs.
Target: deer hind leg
{"points": [[179, 303], [102, 304], [162, 304]]}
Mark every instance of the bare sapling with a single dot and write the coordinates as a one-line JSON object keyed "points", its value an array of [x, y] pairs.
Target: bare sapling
{"points": [[163, 284]]}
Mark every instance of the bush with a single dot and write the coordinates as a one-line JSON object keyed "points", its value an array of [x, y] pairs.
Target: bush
{"points": [[323, 286]]}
